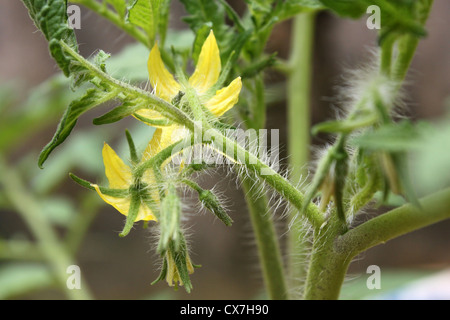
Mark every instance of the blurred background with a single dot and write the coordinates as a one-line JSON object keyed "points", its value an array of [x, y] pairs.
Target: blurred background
{"points": [[123, 268]]}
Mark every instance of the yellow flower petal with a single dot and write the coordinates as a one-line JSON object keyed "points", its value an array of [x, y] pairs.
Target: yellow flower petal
{"points": [[208, 66], [225, 98], [154, 146], [123, 206], [118, 173], [161, 79]]}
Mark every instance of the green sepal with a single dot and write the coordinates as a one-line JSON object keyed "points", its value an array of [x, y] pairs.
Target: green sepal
{"points": [[344, 126], [340, 178], [319, 177], [132, 147], [210, 201], [162, 274], [169, 220], [181, 260], [116, 193], [133, 212]]}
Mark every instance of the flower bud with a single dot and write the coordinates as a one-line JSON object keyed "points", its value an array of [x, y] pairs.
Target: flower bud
{"points": [[170, 214], [210, 201]]}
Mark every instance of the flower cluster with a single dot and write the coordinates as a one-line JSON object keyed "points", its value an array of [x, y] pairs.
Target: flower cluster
{"points": [[145, 190]]}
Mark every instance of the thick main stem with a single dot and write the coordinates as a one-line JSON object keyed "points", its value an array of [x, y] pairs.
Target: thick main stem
{"points": [[397, 222], [327, 267], [267, 242], [299, 85]]}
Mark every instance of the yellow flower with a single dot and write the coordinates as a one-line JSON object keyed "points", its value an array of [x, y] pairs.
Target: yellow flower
{"points": [[202, 80], [173, 276], [120, 177]]}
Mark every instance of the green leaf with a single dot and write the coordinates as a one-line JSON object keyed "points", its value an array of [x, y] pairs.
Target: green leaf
{"points": [[200, 37], [50, 16], [208, 12], [81, 74], [346, 8], [120, 6], [391, 137], [289, 8], [91, 99], [106, 88], [151, 16], [396, 16], [117, 113], [344, 126], [430, 162]]}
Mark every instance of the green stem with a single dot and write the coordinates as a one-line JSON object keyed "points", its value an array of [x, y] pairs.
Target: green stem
{"points": [[397, 222], [259, 110], [280, 184], [334, 248], [327, 267], [267, 242], [298, 95], [299, 86], [260, 214], [48, 242], [408, 44]]}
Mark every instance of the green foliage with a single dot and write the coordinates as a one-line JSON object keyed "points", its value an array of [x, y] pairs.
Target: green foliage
{"points": [[91, 99], [120, 6], [105, 89], [393, 137], [50, 16], [397, 17], [368, 160], [205, 15], [151, 16]]}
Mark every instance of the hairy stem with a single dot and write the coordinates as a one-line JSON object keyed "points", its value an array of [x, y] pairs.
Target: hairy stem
{"points": [[397, 222], [298, 95], [327, 267], [267, 242], [408, 44]]}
